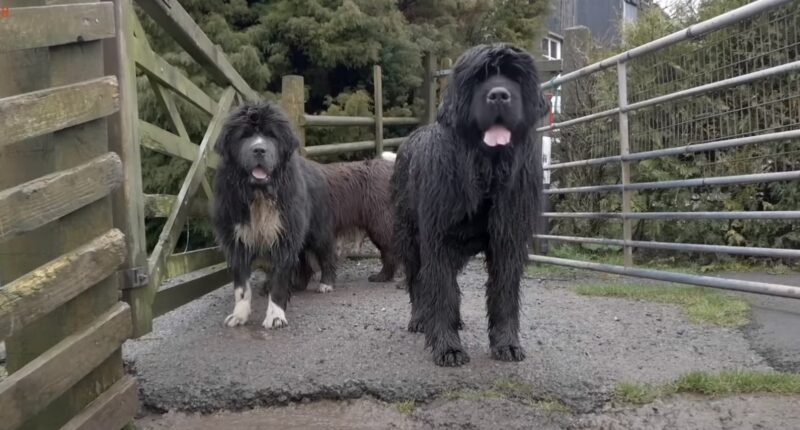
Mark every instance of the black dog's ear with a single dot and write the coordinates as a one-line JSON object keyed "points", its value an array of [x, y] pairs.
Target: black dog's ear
{"points": [[289, 141], [224, 138], [230, 129], [282, 129], [446, 112], [542, 107]]}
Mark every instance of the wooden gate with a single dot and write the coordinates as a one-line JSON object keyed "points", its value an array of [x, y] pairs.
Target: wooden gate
{"points": [[161, 280], [60, 313]]}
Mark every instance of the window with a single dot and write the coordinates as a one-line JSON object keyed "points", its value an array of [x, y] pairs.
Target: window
{"points": [[629, 10], [551, 48]]}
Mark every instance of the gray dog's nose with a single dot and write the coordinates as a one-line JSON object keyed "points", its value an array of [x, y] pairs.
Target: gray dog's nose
{"points": [[259, 149], [498, 95]]}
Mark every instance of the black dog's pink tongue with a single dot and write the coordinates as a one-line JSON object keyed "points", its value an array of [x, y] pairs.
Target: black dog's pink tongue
{"points": [[497, 135], [259, 173]]}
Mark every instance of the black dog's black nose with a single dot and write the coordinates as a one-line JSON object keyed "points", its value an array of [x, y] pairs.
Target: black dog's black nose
{"points": [[259, 150], [498, 95]]}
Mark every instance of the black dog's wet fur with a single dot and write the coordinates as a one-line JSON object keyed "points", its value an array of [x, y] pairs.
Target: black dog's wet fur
{"points": [[455, 197], [299, 190]]}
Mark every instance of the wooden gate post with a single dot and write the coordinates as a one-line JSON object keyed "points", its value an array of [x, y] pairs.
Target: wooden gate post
{"points": [[128, 200], [293, 102], [377, 83], [429, 89]]}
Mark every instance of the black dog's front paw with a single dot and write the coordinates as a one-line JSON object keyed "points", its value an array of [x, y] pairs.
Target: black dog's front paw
{"points": [[416, 326], [379, 277], [451, 357], [508, 353]]}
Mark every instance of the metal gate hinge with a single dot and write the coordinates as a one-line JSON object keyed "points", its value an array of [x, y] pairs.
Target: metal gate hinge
{"points": [[136, 277]]}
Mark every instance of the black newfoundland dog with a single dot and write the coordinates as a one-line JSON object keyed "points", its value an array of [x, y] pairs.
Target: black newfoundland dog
{"points": [[270, 203], [468, 184]]}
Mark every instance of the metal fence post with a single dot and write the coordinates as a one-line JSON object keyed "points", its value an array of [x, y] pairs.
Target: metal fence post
{"points": [[624, 149], [377, 88]]}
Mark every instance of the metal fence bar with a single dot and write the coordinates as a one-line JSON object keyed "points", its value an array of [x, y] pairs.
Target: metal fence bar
{"points": [[574, 121], [726, 83], [718, 85], [770, 215], [683, 278], [624, 149], [690, 32], [681, 183], [686, 149], [692, 247]]}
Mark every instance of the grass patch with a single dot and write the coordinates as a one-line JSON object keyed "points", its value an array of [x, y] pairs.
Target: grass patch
{"points": [[717, 384], [406, 406], [738, 382], [701, 305], [637, 394], [519, 392]]}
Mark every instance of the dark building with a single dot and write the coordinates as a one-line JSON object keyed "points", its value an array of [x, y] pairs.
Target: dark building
{"points": [[602, 17]]}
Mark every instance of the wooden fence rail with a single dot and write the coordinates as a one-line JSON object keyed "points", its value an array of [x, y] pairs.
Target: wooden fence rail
{"points": [[292, 97]]}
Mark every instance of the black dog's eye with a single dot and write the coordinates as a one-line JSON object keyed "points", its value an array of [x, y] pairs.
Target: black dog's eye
{"points": [[253, 117]]}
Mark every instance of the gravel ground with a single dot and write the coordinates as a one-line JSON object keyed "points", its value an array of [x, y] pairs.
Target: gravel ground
{"points": [[352, 343]]}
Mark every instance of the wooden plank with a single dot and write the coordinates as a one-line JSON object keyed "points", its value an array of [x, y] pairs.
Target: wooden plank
{"points": [[160, 140], [444, 81], [43, 26], [171, 77], [29, 390], [429, 89], [377, 83], [176, 22], [179, 214], [124, 140], [33, 204], [185, 262], [53, 284], [25, 162], [41, 112], [189, 287], [115, 408], [160, 205], [74, 146], [348, 147], [293, 103], [168, 103]]}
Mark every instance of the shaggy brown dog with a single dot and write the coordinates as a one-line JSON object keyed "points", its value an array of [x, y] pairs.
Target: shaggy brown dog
{"points": [[361, 200]]}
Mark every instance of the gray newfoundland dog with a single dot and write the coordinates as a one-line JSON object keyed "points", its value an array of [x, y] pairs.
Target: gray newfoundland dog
{"points": [[272, 204], [468, 184]]}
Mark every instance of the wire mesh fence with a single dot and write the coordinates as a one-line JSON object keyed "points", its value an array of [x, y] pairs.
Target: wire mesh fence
{"points": [[685, 139]]}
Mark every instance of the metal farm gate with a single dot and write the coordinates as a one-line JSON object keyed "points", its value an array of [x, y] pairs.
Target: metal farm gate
{"points": [[699, 94], [670, 100]]}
